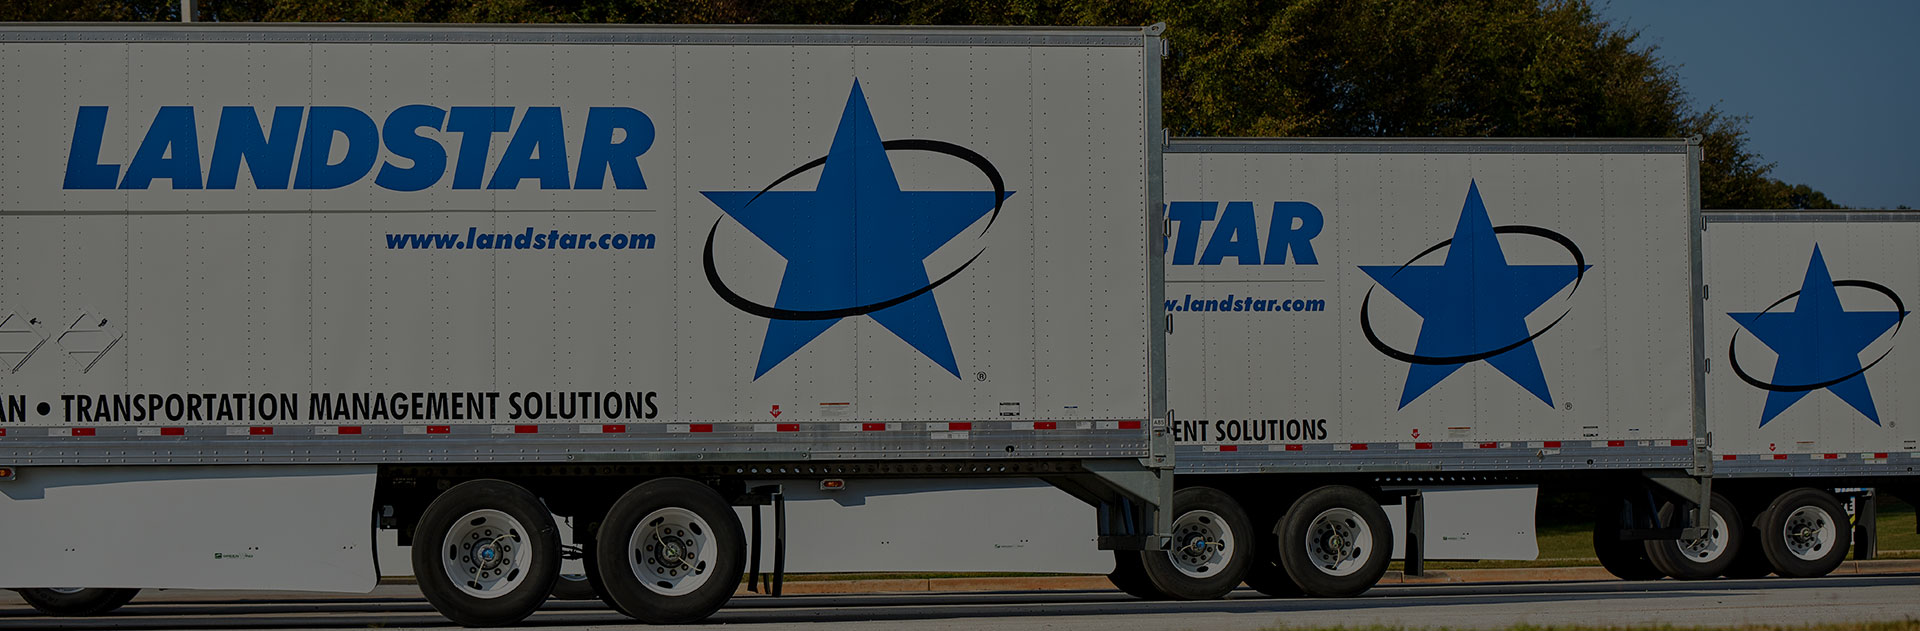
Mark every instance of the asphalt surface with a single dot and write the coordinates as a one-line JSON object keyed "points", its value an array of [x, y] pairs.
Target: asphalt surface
{"points": [[1701, 604]]}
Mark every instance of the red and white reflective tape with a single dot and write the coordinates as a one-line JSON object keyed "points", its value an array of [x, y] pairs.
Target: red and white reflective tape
{"points": [[516, 429], [776, 427], [870, 427], [1416, 446], [1219, 448], [1865, 457], [944, 429]]}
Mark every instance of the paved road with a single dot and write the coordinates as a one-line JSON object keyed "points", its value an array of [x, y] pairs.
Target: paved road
{"points": [[1707, 603]]}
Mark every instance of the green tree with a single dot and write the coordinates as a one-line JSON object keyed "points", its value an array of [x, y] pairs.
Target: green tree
{"points": [[1467, 68]]}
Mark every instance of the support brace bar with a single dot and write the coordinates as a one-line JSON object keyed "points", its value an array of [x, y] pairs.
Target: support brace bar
{"points": [[1134, 503], [1694, 490]]}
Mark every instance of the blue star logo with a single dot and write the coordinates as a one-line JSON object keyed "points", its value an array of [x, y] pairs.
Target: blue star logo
{"points": [[857, 243], [1473, 307], [1818, 342]]}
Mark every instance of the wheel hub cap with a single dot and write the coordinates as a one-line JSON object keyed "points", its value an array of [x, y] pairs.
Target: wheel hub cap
{"points": [[670, 552], [485, 556], [1810, 532], [1204, 544], [673, 550], [1335, 540]]}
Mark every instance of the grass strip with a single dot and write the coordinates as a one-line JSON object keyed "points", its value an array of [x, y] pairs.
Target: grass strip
{"points": [[1909, 624]]}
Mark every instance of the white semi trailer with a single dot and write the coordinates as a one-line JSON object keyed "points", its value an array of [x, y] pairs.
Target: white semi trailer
{"points": [[268, 288], [1368, 322], [1382, 348]]}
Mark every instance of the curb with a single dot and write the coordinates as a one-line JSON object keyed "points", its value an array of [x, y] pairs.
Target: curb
{"points": [[1099, 582]]}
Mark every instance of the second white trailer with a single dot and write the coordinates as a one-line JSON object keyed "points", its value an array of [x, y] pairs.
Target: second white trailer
{"points": [[1382, 348]]}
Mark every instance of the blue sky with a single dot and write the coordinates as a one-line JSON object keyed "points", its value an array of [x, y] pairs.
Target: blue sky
{"points": [[1833, 87]]}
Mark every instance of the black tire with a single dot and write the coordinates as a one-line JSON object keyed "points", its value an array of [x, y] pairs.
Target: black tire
{"points": [[574, 587], [1699, 559], [1213, 537], [1303, 563], [1130, 575], [619, 564], [1805, 511], [1750, 560], [74, 603], [591, 559], [1626, 560], [536, 537], [1264, 572]]}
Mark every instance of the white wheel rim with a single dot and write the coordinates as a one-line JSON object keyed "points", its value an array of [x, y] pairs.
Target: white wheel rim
{"points": [[487, 554], [1339, 542], [1202, 544], [671, 551], [1709, 548], [1810, 533]]}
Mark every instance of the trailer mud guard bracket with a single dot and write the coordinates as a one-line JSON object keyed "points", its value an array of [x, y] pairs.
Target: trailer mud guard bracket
{"points": [[1866, 517], [1415, 557], [1416, 561], [761, 496]]}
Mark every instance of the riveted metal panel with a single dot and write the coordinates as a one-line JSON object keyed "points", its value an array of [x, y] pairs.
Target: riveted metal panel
{"points": [[1273, 368], [230, 527], [526, 34], [1765, 419], [270, 321]]}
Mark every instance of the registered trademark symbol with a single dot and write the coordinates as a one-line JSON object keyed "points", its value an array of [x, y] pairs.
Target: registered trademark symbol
{"points": [[980, 376]]}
